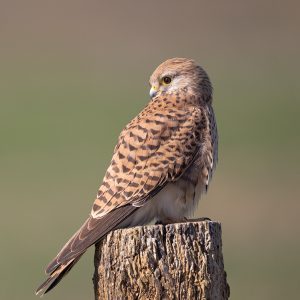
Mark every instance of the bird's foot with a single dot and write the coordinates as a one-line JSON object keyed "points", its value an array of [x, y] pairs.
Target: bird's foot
{"points": [[197, 219], [170, 221], [183, 220]]}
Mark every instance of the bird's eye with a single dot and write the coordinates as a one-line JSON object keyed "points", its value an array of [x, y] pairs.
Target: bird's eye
{"points": [[166, 80]]}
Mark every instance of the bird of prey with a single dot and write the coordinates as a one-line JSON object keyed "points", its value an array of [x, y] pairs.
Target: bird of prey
{"points": [[162, 163]]}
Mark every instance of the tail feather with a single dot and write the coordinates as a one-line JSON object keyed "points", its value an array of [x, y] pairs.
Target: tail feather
{"points": [[56, 276], [89, 233]]}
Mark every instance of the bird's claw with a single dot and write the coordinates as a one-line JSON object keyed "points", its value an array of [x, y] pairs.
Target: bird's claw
{"points": [[198, 219]]}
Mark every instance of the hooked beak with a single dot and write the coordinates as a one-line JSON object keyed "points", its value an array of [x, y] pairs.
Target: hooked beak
{"points": [[153, 91]]}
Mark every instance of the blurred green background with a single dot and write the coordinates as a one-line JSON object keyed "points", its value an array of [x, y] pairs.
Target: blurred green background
{"points": [[73, 73]]}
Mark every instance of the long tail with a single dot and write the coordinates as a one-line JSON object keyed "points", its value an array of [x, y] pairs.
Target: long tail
{"points": [[90, 232]]}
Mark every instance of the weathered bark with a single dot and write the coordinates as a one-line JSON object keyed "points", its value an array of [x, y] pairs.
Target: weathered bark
{"points": [[177, 261]]}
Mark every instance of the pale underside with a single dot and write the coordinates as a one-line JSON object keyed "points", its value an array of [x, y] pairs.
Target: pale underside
{"points": [[173, 203]]}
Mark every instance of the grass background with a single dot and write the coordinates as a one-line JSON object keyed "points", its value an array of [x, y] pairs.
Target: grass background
{"points": [[73, 73]]}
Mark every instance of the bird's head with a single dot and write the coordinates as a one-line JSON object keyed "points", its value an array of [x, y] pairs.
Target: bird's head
{"points": [[180, 75]]}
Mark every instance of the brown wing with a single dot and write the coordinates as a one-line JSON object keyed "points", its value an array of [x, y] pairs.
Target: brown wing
{"points": [[150, 152], [209, 157], [153, 149]]}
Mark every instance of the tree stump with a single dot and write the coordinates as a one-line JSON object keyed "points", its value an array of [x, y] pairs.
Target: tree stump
{"points": [[176, 261]]}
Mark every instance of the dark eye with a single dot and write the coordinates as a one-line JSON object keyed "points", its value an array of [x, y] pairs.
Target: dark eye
{"points": [[166, 79]]}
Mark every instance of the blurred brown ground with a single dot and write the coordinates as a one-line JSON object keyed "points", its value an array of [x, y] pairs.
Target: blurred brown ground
{"points": [[73, 73]]}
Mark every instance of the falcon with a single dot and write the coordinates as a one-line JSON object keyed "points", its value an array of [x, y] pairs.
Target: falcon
{"points": [[162, 163]]}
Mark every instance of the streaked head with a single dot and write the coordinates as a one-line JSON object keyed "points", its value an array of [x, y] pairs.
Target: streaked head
{"points": [[180, 75]]}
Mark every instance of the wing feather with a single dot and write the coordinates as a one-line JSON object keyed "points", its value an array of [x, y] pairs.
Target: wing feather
{"points": [[150, 152]]}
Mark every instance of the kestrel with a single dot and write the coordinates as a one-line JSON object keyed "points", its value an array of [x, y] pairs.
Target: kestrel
{"points": [[162, 163]]}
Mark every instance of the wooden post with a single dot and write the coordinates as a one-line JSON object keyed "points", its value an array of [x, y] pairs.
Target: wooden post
{"points": [[176, 261]]}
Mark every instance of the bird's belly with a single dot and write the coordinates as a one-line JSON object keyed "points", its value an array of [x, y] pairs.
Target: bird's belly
{"points": [[172, 204]]}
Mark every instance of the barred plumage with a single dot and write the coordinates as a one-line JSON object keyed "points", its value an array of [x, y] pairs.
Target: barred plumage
{"points": [[163, 161]]}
